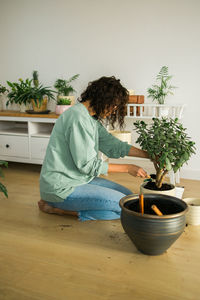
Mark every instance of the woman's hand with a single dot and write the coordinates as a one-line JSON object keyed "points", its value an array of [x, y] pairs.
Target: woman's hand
{"points": [[137, 171]]}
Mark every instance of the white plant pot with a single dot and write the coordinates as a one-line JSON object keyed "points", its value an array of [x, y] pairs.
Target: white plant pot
{"points": [[163, 111], [171, 192], [124, 136], [61, 108], [193, 214]]}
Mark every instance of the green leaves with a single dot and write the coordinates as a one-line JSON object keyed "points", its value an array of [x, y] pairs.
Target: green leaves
{"points": [[23, 92], [3, 89], [2, 187], [62, 101], [166, 142], [63, 86], [158, 92]]}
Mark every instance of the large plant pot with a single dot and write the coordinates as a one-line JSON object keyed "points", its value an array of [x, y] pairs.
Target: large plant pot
{"points": [[171, 192], [39, 106], [150, 233]]}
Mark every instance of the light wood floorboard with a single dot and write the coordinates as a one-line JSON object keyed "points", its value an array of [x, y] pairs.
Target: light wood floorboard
{"points": [[57, 257]]}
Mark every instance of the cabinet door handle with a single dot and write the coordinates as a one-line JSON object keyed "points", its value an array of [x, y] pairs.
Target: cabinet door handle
{"points": [[7, 146]]}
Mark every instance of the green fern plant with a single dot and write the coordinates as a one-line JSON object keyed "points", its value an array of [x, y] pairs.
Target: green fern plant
{"points": [[158, 92], [64, 87], [3, 189]]}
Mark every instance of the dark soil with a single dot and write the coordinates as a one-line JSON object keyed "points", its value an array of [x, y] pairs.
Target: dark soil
{"points": [[152, 186], [165, 206]]}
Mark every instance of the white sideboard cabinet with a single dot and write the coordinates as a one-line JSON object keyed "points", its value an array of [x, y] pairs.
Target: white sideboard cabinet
{"points": [[24, 137]]}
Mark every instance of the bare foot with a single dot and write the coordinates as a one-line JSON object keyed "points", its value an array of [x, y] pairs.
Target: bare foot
{"points": [[45, 207]]}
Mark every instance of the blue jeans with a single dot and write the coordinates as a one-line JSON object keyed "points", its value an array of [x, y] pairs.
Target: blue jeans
{"points": [[97, 200]]}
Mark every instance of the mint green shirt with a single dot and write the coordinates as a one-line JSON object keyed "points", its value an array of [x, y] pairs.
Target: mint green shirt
{"points": [[72, 156]]}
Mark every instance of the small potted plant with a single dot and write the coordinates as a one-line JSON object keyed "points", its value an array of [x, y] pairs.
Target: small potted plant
{"points": [[62, 105], [168, 146], [65, 89], [3, 189], [158, 92], [3, 91]]}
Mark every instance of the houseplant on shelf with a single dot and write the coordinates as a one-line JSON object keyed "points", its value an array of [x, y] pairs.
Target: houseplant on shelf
{"points": [[62, 105], [30, 91], [17, 92], [3, 189], [3, 91], [158, 92], [39, 95], [168, 146], [65, 89]]}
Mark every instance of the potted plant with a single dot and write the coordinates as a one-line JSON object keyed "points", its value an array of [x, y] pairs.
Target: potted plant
{"points": [[30, 91], [39, 95], [168, 146], [65, 89], [3, 91], [158, 92], [62, 105], [2, 186], [17, 93]]}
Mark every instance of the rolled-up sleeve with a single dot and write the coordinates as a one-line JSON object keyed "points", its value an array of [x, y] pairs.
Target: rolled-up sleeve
{"points": [[84, 154], [110, 145]]}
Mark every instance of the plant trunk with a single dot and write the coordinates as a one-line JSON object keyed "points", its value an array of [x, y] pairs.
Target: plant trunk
{"points": [[160, 174]]}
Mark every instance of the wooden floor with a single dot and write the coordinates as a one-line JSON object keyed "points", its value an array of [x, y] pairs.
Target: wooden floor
{"points": [[53, 257]]}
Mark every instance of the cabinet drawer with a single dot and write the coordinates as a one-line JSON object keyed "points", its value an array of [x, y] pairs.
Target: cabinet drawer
{"points": [[14, 145], [38, 147]]}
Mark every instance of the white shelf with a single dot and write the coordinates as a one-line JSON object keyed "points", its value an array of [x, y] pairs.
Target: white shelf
{"points": [[149, 111], [15, 131], [41, 134]]}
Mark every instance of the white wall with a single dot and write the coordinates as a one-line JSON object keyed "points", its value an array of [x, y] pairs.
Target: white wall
{"points": [[130, 39]]}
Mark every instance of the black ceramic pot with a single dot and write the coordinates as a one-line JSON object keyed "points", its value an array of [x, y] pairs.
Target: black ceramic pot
{"points": [[150, 233]]}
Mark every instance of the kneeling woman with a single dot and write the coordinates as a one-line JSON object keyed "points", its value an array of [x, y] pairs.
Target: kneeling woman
{"points": [[69, 179]]}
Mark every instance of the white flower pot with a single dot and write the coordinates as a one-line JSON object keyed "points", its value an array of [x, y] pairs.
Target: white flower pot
{"points": [[171, 192], [162, 111], [124, 136], [193, 214]]}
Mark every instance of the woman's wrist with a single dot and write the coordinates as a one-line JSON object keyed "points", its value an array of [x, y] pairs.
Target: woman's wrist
{"points": [[118, 168]]}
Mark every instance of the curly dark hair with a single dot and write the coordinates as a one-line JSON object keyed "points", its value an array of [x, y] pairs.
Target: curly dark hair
{"points": [[107, 93]]}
